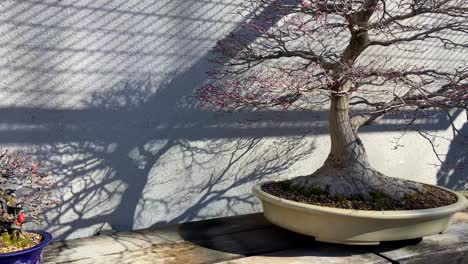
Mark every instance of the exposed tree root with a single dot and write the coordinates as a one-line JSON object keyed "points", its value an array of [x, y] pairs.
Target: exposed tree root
{"points": [[361, 182]]}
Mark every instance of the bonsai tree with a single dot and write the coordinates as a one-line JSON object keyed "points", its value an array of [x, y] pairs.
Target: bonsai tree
{"points": [[23, 197], [306, 53]]}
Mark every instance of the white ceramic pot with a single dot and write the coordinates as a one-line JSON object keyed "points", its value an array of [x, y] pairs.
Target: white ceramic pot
{"points": [[356, 227]]}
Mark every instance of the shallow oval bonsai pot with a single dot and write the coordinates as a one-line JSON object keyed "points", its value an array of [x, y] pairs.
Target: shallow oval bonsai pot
{"points": [[356, 227], [31, 255]]}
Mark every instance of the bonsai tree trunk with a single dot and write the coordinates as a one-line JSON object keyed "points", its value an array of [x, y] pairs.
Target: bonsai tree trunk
{"points": [[346, 147], [347, 172]]}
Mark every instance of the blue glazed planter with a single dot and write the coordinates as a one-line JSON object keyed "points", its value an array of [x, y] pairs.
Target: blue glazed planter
{"points": [[28, 256]]}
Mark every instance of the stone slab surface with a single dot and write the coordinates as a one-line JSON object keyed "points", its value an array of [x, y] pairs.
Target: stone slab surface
{"points": [[250, 239], [324, 254], [448, 248], [164, 253]]}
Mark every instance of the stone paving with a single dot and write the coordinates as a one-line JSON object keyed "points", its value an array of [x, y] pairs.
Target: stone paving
{"points": [[250, 239]]}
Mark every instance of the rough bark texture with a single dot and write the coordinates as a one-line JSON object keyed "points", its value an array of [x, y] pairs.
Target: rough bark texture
{"points": [[347, 172]]}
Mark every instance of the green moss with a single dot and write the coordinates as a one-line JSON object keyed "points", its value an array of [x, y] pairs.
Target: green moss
{"points": [[9, 240], [428, 188], [305, 191], [377, 196], [317, 191], [341, 199], [411, 197], [312, 191], [288, 187], [5, 239]]}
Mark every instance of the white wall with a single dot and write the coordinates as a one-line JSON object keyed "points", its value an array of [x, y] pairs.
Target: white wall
{"points": [[100, 92]]}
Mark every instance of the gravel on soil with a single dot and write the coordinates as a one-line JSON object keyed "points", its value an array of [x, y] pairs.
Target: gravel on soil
{"points": [[432, 198], [28, 240]]}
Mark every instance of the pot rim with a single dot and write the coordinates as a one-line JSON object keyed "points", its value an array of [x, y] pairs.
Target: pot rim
{"points": [[46, 239], [461, 204]]}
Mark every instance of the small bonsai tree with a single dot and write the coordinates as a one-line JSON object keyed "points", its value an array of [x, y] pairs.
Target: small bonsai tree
{"points": [[23, 194], [306, 53]]}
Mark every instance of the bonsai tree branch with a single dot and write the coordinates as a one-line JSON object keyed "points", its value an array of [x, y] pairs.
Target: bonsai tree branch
{"points": [[313, 49]]}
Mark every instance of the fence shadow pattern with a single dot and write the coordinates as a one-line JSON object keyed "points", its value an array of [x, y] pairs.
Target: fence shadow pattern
{"points": [[101, 92]]}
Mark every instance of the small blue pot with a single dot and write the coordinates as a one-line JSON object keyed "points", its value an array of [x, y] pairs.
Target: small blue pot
{"points": [[28, 256]]}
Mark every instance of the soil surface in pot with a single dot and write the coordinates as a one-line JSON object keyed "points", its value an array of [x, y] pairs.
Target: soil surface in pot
{"points": [[432, 198], [9, 244]]}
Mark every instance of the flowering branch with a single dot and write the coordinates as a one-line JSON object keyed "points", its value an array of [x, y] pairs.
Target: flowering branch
{"points": [[23, 191], [291, 50]]}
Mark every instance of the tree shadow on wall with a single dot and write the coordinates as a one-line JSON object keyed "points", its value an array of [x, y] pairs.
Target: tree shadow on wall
{"points": [[129, 167], [142, 154], [454, 171]]}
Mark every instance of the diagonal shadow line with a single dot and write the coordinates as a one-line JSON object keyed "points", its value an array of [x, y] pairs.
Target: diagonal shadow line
{"points": [[122, 217]]}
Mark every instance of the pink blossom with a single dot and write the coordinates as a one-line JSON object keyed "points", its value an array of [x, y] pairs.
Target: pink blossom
{"points": [[306, 3]]}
